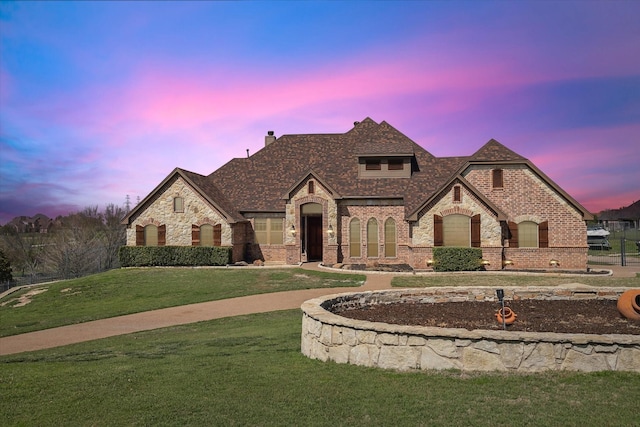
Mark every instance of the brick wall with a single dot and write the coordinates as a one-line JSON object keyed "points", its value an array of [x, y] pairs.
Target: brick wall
{"points": [[526, 196]]}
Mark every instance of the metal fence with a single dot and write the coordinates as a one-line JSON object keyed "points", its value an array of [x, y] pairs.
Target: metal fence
{"points": [[623, 249]]}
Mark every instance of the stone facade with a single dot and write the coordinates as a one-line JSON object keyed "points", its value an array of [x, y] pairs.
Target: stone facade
{"points": [[329, 337], [196, 211]]}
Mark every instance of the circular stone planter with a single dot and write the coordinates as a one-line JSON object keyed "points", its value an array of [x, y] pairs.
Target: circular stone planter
{"points": [[329, 337]]}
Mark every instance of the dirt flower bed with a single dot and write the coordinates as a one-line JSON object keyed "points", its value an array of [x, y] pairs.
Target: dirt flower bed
{"points": [[562, 316]]}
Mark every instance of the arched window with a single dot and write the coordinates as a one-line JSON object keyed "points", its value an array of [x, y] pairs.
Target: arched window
{"points": [[372, 238], [206, 235], [178, 204], [527, 234], [151, 235], [390, 238], [354, 238], [457, 230]]}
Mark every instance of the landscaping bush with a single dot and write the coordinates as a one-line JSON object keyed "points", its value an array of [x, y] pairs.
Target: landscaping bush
{"points": [[147, 256], [457, 259]]}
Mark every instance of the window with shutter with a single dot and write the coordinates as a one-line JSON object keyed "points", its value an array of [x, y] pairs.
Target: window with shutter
{"points": [[195, 235], [139, 235], [217, 235], [513, 234], [456, 230], [354, 238], [475, 231], [543, 234], [162, 235], [206, 235], [527, 234], [151, 235], [437, 231]]}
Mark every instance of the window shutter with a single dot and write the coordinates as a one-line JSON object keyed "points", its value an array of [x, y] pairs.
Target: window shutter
{"points": [[217, 235], [543, 234], [195, 235], [162, 235], [513, 234], [139, 235], [437, 231], [475, 231]]}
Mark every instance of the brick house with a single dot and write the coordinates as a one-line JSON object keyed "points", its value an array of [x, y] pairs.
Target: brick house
{"points": [[367, 195]]}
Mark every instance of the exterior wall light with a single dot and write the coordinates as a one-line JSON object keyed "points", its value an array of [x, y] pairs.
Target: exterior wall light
{"points": [[554, 263], [485, 262], [330, 231], [507, 262], [292, 230]]}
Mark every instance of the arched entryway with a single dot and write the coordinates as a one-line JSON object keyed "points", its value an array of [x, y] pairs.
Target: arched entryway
{"points": [[311, 236]]}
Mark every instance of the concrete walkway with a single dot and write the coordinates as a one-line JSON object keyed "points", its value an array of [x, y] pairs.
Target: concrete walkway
{"points": [[180, 315], [192, 313]]}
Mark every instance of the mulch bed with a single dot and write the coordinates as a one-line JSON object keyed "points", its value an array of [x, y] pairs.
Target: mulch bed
{"points": [[563, 316]]}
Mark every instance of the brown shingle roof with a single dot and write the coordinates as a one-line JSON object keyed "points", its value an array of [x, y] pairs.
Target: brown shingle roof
{"points": [[258, 183], [493, 151]]}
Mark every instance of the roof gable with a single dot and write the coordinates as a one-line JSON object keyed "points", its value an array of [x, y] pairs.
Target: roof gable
{"points": [[493, 151], [200, 185]]}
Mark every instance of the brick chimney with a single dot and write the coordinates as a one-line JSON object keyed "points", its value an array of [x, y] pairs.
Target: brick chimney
{"points": [[269, 138]]}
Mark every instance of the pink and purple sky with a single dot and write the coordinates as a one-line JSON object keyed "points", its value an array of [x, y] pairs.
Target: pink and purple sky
{"points": [[99, 100]]}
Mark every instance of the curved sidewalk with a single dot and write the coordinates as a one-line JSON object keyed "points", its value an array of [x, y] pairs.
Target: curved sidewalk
{"points": [[261, 303], [172, 316]]}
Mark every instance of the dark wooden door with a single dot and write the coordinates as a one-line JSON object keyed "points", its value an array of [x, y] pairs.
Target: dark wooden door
{"points": [[314, 238]]}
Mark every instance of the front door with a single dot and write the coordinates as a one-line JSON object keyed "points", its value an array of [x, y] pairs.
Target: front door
{"points": [[313, 231]]}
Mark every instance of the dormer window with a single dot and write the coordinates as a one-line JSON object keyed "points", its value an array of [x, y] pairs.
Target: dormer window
{"points": [[384, 166], [373, 165], [396, 164]]}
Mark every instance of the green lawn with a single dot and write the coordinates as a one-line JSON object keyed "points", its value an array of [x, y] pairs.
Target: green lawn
{"points": [[126, 291], [248, 370]]}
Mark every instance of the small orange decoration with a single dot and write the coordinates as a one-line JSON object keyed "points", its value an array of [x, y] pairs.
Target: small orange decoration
{"points": [[509, 316], [629, 304]]}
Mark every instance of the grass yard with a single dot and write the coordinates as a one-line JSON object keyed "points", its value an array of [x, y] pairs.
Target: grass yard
{"points": [[501, 280], [248, 370], [125, 291]]}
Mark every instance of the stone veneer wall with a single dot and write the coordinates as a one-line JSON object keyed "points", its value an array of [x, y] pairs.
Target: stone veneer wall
{"points": [[329, 337], [490, 229], [196, 211]]}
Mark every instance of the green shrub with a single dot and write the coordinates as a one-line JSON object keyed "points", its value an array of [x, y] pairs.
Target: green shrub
{"points": [[457, 259], [147, 256]]}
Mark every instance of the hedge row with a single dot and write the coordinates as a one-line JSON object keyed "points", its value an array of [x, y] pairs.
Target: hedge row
{"points": [[147, 256], [457, 259]]}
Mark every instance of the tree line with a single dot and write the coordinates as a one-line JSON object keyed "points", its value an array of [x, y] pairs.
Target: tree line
{"points": [[78, 244]]}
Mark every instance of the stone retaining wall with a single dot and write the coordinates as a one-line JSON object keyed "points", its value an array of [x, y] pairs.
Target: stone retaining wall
{"points": [[329, 337]]}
